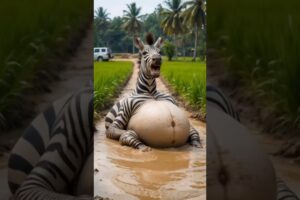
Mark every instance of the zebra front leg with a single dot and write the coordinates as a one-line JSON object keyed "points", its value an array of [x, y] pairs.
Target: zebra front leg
{"points": [[130, 138], [194, 138], [114, 132]]}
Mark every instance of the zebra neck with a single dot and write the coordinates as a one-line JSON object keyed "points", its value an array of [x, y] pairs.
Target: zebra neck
{"points": [[145, 84]]}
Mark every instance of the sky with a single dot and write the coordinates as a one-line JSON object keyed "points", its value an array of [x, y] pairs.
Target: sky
{"points": [[116, 7]]}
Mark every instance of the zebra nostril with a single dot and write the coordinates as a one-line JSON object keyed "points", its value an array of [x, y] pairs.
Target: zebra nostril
{"points": [[157, 60]]}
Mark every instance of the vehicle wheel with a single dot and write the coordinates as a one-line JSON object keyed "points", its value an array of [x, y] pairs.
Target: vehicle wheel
{"points": [[99, 59]]}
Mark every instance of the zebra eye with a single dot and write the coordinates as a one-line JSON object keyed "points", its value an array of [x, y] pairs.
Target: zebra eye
{"points": [[144, 53]]}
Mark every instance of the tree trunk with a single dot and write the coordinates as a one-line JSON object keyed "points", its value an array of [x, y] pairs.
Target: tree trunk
{"points": [[176, 47], [133, 44], [196, 42]]}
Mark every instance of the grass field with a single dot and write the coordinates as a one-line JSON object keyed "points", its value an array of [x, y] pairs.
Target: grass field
{"points": [[188, 79], [261, 41], [108, 77], [33, 35]]}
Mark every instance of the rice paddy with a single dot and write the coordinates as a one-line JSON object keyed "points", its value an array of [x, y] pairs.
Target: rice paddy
{"points": [[261, 41], [34, 35], [108, 79], [188, 79]]}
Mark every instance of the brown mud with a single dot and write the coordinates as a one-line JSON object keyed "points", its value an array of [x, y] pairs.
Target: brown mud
{"points": [[125, 173], [76, 74], [286, 168]]}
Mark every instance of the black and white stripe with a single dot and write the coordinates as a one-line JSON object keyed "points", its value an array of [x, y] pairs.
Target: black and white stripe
{"points": [[284, 192], [47, 159], [216, 98]]}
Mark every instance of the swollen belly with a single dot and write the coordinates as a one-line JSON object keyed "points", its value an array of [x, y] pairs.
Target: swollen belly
{"points": [[238, 169], [160, 124]]}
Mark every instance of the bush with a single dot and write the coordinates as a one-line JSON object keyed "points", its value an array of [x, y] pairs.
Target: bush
{"points": [[169, 50], [201, 52]]}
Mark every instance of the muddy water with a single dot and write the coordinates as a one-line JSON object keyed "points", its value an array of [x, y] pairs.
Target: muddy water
{"points": [[285, 168], [125, 173]]}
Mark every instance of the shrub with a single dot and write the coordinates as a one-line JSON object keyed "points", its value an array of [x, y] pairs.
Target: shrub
{"points": [[169, 50]]}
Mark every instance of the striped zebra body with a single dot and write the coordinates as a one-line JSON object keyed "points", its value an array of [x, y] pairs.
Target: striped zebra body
{"points": [[284, 192], [217, 99], [118, 117], [47, 159], [128, 106]]}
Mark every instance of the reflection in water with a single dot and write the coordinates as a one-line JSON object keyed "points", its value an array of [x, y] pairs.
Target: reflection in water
{"points": [[125, 173]]}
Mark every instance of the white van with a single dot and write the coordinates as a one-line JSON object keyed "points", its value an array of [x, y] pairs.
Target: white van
{"points": [[102, 53]]}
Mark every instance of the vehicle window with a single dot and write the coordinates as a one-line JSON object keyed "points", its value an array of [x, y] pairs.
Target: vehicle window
{"points": [[103, 50], [96, 50]]}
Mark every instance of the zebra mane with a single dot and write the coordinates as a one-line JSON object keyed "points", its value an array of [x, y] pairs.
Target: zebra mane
{"points": [[150, 39]]}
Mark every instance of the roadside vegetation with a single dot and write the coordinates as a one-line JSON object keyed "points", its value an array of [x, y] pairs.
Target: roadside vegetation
{"points": [[188, 79], [261, 46], [40, 34], [108, 79]]}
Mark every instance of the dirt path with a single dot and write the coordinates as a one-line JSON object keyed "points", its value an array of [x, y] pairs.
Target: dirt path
{"points": [[160, 174], [77, 74], [285, 168]]}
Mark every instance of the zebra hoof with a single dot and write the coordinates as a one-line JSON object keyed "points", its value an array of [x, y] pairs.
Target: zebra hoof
{"points": [[196, 144], [144, 148]]}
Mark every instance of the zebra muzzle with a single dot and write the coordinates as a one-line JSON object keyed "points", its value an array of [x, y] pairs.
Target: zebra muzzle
{"points": [[155, 70]]}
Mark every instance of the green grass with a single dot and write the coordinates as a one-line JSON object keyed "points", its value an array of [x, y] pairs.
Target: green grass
{"points": [[182, 58], [33, 35], [188, 79], [108, 77], [261, 41]]}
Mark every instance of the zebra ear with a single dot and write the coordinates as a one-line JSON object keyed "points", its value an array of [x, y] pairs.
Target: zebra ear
{"points": [[139, 44], [159, 42]]}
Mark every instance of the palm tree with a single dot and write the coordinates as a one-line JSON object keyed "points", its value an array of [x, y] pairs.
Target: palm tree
{"points": [[194, 16], [101, 17], [172, 21], [101, 20], [132, 21]]}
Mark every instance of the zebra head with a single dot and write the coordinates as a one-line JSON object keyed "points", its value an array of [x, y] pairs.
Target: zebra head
{"points": [[150, 55]]}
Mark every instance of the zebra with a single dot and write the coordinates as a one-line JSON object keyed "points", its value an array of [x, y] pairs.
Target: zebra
{"points": [[217, 99], [46, 161], [117, 119]]}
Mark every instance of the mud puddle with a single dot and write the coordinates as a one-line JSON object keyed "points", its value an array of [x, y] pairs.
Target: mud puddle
{"points": [[125, 173], [285, 168]]}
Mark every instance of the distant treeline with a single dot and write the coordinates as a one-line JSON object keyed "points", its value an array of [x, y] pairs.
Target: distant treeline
{"points": [[174, 23]]}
